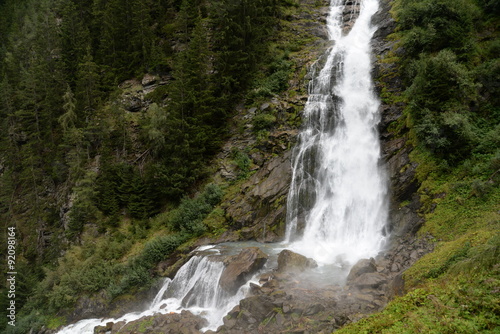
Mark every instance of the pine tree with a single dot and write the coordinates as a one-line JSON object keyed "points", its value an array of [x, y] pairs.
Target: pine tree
{"points": [[88, 86], [75, 40]]}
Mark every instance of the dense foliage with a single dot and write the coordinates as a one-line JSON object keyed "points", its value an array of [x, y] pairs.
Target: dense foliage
{"points": [[450, 66], [113, 190]]}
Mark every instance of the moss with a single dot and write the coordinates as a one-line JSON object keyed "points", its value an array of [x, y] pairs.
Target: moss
{"points": [[404, 203], [55, 322], [143, 325], [460, 303]]}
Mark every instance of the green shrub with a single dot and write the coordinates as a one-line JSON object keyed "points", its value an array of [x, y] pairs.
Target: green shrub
{"points": [[189, 216], [212, 194], [432, 25], [263, 122], [25, 323], [440, 92], [274, 82], [157, 249], [135, 275], [243, 163]]}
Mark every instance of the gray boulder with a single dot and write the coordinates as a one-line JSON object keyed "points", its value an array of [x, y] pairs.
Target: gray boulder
{"points": [[363, 266], [289, 261], [239, 268]]}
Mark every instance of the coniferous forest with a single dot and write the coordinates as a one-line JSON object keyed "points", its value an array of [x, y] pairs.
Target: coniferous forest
{"points": [[73, 154], [104, 179]]}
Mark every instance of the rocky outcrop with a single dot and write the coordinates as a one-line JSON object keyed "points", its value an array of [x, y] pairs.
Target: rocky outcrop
{"points": [[290, 303], [259, 210], [239, 268], [174, 323], [289, 262], [134, 97], [364, 266]]}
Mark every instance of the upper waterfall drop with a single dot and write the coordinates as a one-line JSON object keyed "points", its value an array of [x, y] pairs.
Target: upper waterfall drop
{"points": [[337, 209]]}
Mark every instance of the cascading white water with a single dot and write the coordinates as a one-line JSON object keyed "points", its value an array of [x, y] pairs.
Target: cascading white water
{"points": [[195, 287], [337, 201]]}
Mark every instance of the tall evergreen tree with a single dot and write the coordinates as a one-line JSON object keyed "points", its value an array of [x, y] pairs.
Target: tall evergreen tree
{"points": [[75, 39]]}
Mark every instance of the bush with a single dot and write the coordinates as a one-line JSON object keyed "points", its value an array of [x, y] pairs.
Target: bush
{"points": [[432, 25], [135, 275], [440, 80], [263, 122], [157, 249], [190, 214], [243, 163], [212, 194], [440, 92], [274, 82]]}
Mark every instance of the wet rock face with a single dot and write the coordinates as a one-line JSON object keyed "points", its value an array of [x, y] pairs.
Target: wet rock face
{"points": [[395, 149], [257, 212], [349, 14], [287, 302], [260, 209], [240, 268]]}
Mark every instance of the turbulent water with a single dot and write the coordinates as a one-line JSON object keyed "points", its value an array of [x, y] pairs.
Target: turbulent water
{"points": [[336, 205], [337, 208]]}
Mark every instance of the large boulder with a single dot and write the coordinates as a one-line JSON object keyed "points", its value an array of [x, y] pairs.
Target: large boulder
{"points": [[258, 307], [148, 80], [369, 281], [289, 261], [239, 268], [363, 266]]}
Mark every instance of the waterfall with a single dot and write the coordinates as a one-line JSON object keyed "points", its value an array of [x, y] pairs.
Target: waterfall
{"points": [[337, 210]]}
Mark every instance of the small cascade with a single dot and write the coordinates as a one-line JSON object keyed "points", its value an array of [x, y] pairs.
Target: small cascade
{"points": [[337, 208], [195, 288]]}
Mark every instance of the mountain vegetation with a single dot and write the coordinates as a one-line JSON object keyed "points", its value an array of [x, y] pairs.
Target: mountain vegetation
{"points": [[100, 191]]}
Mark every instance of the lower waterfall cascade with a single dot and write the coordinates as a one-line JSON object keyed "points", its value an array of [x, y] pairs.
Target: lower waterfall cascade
{"points": [[336, 208]]}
